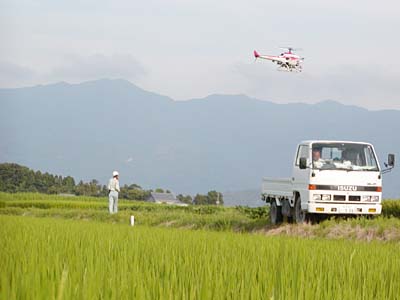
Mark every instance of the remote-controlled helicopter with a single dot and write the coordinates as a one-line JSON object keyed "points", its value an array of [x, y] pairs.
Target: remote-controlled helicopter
{"points": [[287, 60]]}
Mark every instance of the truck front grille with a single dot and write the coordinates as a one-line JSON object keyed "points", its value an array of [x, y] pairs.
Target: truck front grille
{"points": [[339, 197], [354, 198]]}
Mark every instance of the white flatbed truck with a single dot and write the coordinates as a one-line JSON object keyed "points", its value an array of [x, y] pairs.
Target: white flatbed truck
{"points": [[329, 177]]}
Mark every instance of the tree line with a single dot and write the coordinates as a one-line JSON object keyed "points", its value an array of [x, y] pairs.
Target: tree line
{"points": [[15, 178]]}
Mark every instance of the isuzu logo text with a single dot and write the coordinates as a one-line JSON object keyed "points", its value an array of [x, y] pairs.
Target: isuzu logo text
{"points": [[347, 188]]}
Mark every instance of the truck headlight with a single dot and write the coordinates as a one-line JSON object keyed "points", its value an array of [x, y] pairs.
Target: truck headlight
{"points": [[366, 198], [375, 198], [326, 197], [317, 197]]}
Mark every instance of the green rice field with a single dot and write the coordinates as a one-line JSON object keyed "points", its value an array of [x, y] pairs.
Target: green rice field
{"points": [[65, 259], [58, 248]]}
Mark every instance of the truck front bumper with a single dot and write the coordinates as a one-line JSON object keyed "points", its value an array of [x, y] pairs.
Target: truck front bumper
{"points": [[347, 209]]}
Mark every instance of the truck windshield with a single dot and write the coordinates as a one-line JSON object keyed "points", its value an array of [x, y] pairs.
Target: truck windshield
{"points": [[343, 156]]}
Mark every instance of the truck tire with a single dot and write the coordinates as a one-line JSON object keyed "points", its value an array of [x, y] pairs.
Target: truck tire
{"points": [[299, 215], [275, 213]]}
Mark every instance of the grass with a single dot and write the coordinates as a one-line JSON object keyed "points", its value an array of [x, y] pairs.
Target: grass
{"points": [[72, 248], [237, 219], [86, 208], [47, 258], [40, 197], [391, 208]]}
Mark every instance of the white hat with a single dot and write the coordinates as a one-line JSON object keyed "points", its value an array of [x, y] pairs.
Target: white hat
{"points": [[115, 173]]}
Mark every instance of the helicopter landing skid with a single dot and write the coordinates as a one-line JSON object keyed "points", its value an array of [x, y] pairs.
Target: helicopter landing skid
{"points": [[288, 69]]}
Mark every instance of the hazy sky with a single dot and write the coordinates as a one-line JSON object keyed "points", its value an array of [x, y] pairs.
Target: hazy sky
{"points": [[190, 49]]}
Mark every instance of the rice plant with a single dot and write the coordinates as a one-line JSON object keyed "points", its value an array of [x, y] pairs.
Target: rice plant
{"points": [[43, 258]]}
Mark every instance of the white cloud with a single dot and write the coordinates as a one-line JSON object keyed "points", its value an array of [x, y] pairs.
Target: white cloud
{"points": [[15, 75], [189, 46], [98, 66], [74, 69], [368, 86]]}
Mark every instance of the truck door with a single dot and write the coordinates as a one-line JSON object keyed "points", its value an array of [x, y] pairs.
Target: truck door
{"points": [[301, 178]]}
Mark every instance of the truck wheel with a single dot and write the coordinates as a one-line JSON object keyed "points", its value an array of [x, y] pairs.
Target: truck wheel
{"points": [[275, 213], [299, 215]]}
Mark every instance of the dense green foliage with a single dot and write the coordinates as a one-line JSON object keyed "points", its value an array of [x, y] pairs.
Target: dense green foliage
{"points": [[185, 199], [64, 259], [391, 208], [133, 192], [15, 178], [212, 197], [255, 212]]}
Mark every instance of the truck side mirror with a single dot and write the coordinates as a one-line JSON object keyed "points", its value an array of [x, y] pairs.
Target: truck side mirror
{"points": [[391, 160], [303, 163]]}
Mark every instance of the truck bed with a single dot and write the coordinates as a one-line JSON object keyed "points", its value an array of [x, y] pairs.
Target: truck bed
{"points": [[277, 187]]}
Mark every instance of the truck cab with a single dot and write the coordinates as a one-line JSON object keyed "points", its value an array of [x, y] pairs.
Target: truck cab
{"points": [[328, 177]]}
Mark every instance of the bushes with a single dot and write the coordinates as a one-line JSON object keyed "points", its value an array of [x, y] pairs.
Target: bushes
{"points": [[255, 212], [391, 208]]}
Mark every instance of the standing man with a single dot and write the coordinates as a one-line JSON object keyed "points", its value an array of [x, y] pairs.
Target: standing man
{"points": [[113, 189]]}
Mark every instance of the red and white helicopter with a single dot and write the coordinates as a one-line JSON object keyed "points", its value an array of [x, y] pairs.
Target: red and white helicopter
{"points": [[287, 61]]}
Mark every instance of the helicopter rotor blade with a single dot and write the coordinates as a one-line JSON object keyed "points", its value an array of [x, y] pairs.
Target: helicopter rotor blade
{"points": [[290, 48]]}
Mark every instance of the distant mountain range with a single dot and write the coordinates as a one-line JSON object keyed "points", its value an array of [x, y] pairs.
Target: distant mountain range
{"points": [[222, 142]]}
